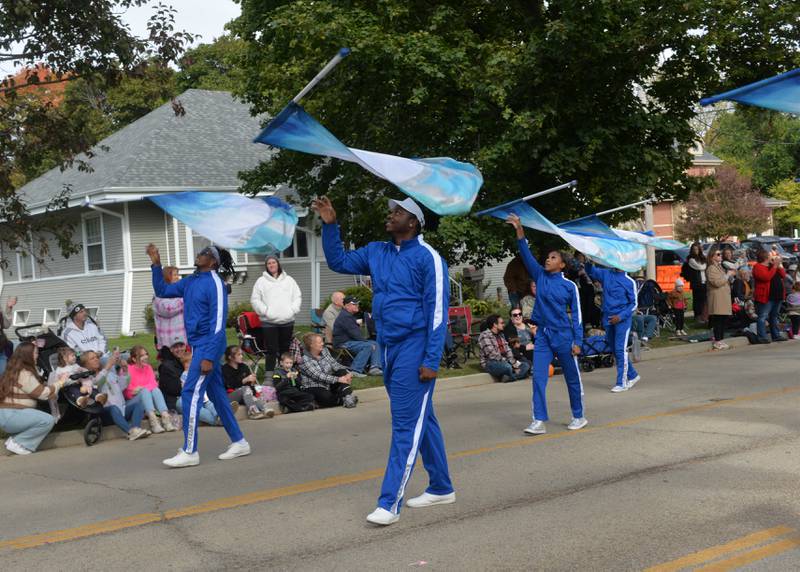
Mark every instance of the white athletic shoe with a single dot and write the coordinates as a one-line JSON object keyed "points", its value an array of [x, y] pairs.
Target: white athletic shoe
{"points": [[634, 381], [620, 388], [16, 448], [428, 499], [238, 449], [576, 424], [536, 428], [183, 459], [382, 516]]}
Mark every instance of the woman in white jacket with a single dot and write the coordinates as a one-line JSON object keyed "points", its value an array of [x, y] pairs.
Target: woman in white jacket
{"points": [[276, 299]]}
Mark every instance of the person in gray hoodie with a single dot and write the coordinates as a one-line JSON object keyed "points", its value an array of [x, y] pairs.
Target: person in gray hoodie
{"points": [[276, 299]]}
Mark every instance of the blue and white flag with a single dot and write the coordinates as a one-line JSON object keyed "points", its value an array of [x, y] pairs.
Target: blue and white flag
{"points": [[592, 225], [598, 245], [261, 225], [781, 93], [444, 185]]}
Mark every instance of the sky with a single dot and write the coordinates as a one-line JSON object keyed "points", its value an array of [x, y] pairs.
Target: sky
{"points": [[204, 17]]}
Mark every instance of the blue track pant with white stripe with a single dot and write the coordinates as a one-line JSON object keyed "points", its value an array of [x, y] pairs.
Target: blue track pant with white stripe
{"points": [[414, 425], [551, 343], [617, 337], [192, 400]]}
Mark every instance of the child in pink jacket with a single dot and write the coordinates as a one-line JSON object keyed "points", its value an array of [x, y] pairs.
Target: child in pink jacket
{"points": [[143, 386]]}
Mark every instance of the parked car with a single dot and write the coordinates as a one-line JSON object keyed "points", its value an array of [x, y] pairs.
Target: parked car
{"points": [[739, 253], [791, 245], [753, 245]]}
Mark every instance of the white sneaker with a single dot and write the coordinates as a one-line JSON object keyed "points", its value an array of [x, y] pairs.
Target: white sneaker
{"points": [[183, 459], [634, 381], [382, 516], [620, 388], [16, 448], [428, 499], [536, 428], [238, 449], [576, 424], [137, 433]]}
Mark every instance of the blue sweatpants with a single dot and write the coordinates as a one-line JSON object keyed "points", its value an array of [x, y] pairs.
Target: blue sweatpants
{"points": [[617, 337], [550, 343], [192, 400], [414, 425]]}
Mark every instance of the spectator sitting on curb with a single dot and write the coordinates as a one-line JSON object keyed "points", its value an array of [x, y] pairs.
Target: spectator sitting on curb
{"points": [[496, 356], [644, 326], [322, 376], [81, 332], [331, 313], [286, 381], [115, 378], [347, 334], [170, 369], [523, 330], [240, 384]]}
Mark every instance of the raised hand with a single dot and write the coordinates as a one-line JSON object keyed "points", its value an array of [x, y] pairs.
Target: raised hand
{"points": [[325, 209], [514, 221], [155, 256]]}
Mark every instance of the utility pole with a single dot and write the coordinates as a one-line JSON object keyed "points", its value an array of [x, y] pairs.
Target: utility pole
{"points": [[651, 252]]}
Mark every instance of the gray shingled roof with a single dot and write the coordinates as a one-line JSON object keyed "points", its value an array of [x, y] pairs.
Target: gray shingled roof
{"points": [[207, 147]]}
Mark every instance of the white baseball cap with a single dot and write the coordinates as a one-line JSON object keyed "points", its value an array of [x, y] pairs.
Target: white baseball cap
{"points": [[409, 205]]}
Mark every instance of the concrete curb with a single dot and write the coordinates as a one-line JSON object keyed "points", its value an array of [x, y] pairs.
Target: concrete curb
{"points": [[375, 394]]}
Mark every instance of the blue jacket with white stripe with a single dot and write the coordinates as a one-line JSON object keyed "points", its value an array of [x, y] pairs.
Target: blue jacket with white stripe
{"points": [[558, 306], [410, 287], [205, 309], [619, 292]]}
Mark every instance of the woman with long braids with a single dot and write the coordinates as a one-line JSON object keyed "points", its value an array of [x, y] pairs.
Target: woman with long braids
{"points": [[20, 389], [205, 298], [557, 314]]}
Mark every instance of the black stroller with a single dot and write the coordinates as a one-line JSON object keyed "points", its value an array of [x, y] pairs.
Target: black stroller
{"points": [[49, 344]]}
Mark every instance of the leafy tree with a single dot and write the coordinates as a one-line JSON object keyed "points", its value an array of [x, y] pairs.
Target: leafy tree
{"points": [[212, 66], [787, 218], [534, 93], [70, 41], [730, 207]]}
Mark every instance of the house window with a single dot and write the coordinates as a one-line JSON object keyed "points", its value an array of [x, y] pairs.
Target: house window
{"points": [[200, 242], [25, 265], [299, 246], [21, 317], [93, 246], [51, 316], [93, 311]]}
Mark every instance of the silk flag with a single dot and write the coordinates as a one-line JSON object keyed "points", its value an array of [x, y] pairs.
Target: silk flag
{"points": [[259, 226], [592, 225], [781, 93], [444, 185], [601, 247]]}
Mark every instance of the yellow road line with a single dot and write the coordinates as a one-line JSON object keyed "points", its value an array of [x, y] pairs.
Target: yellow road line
{"points": [[755, 555], [715, 552], [113, 525]]}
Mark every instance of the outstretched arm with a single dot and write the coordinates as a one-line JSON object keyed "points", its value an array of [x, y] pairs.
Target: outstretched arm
{"points": [[339, 259], [160, 287], [531, 265]]}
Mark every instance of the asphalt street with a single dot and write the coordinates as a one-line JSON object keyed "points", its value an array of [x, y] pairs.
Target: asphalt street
{"points": [[695, 468]]}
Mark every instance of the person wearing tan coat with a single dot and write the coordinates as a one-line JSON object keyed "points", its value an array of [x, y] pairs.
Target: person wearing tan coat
{"points": [[719, 297]]}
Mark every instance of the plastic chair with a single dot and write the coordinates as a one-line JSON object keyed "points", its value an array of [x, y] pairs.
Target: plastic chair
{"points": [[247, 324]]}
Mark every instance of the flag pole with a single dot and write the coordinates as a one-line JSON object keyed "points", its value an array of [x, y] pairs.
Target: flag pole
{"points": [[340, 55], [622, 208], [529, 197]]}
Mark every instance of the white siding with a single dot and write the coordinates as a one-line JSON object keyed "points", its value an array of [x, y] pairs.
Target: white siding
{"points": [[147, 225], [104, 292]]}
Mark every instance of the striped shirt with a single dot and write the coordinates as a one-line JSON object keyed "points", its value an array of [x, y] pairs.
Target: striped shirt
{"points": [[25, 392]]}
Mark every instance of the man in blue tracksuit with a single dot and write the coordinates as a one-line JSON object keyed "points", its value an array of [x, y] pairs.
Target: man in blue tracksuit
{"points": [[619, 305], [205, 307], [557, 314], [409, 305]]}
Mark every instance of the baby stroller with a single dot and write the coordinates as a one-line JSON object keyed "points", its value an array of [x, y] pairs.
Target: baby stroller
{"points": [[49, 344], [595, 352], [653, 301]]}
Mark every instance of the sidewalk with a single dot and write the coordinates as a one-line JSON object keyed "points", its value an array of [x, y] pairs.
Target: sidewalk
{"points": [[375, 394]]}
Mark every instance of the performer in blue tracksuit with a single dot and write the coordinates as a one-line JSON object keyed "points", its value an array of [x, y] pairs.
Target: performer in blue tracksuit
{"points": [[557, 313], [409, 306], [205, 303], [619, 305]]}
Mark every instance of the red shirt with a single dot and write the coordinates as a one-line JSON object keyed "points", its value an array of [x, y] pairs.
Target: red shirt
{"points": [[762, 274]]}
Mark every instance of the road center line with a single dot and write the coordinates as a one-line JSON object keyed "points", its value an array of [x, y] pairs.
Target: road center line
{"points": [[117, 524]]}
